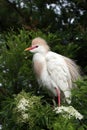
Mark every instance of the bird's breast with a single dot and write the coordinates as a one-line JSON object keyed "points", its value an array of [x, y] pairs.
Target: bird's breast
{"points": [[39, 64], [42, 74]]}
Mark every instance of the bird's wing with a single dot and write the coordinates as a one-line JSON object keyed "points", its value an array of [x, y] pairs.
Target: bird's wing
{"points": [[58, 71]]}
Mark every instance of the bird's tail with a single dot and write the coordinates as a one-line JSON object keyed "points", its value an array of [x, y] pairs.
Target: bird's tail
{"points": [[73, 68]]}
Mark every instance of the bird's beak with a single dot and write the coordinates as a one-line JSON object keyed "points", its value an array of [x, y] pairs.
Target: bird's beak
{"points": [[29, 48]]}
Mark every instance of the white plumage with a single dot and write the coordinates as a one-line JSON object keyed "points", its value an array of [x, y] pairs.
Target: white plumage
{"points": [[53, 71]]}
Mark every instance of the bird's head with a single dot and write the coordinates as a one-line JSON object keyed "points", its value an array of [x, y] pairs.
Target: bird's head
{"points": [[38, 45]]}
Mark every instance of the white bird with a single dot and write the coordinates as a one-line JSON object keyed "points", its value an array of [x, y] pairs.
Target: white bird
{"points": [[53, 71]]}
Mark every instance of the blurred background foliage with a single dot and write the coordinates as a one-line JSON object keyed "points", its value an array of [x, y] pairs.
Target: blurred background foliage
{"points": [[63, 24]]}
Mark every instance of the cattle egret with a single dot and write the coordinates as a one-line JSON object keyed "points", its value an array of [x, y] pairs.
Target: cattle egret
{"points": [[53, 71]]}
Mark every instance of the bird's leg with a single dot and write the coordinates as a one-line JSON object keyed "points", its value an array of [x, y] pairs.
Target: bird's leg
{"points": [[58, 95]]}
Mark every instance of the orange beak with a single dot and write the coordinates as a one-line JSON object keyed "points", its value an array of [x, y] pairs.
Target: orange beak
{"points": [[30, 48], [27, 49]]}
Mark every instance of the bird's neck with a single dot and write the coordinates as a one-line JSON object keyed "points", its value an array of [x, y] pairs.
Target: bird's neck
{"points": [[42, 53]]}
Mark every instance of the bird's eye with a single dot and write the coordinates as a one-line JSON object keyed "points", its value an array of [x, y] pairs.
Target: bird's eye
{"points": [[36, 46]]}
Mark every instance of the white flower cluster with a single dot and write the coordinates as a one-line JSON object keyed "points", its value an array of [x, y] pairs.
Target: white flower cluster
{"points": [[70, 111], [23, 104], [22, 107]]}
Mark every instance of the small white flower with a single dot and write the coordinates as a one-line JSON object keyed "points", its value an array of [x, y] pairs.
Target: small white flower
{"points": [[71, 111], [23, 104], [24, 116], [22, 107]]}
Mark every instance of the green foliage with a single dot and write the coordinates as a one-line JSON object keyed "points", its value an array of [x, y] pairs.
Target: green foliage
{"points": [[65, 124], [26, 110], [80, 97], [13, 62]]}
